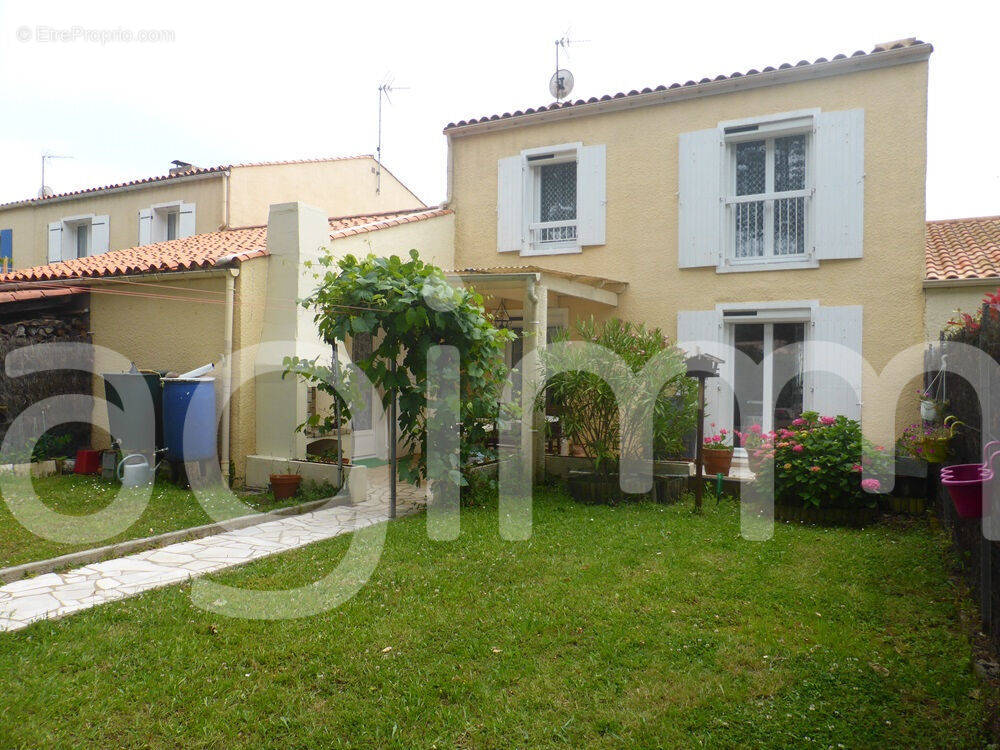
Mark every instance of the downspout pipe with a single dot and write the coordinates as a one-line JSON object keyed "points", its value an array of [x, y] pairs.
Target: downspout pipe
{"points": [[227, 374]]}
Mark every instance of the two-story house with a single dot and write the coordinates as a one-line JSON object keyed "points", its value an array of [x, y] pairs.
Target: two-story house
{"points": [[745, 212], [190, 200]]}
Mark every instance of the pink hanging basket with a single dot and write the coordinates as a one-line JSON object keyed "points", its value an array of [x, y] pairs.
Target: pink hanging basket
{"points": [[966, 488], [965, 483]]}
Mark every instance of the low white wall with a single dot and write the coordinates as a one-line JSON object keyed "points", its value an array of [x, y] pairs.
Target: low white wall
{"points": [[561, 466]]}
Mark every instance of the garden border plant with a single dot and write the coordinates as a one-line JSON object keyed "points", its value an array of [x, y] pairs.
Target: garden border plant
{"points": [[818, 461], [409, 309], [589, 411]]}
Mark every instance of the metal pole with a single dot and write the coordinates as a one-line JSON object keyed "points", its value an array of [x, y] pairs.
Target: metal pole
{"points": [[698, 489], [392, 443], [336, 416], [985, 545]]}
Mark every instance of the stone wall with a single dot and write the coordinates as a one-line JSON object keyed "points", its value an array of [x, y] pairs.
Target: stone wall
{"points": [[17, 394]]}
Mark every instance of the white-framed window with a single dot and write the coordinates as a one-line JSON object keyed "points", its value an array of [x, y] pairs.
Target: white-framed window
{"points": [[163, 222], [82, 232], [78, 237], [774, 191], [551, 200], [768, 208]]}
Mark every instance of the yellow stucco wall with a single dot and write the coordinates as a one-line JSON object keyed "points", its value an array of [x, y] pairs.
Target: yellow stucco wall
{"points": [[642, 210], [941, 302], [342, 187], [434, 239], [30, 224], [248, 320], [178, 330]]}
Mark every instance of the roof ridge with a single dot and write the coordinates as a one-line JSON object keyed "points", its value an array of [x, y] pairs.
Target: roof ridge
{"points": [[192, 172], [382, 213], [879, 49], [964, 218]]}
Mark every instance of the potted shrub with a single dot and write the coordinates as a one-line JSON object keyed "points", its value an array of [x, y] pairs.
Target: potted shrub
{"points": [[589, 408], [759, 446], [716, 456]]}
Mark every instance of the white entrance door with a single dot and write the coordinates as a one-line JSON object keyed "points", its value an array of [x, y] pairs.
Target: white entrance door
{"points": [[362, 421]]}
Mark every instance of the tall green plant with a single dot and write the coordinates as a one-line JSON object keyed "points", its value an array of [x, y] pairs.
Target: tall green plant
{"points": [[409, 308], [586, 404]]}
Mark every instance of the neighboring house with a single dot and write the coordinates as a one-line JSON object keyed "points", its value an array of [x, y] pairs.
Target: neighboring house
{"points": [[187, 201], [962, 266], [178, 304], [755, 210]]}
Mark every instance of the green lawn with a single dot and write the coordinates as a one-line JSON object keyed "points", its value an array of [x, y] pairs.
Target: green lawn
{"points": [[170, 508], [639, 625]]}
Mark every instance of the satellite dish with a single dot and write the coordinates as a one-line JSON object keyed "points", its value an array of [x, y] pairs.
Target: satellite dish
{"points": [[45, 192], [561, 83]]}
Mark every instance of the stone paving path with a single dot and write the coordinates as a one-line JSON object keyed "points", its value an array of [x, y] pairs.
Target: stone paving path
{"points": [[58, 594]]}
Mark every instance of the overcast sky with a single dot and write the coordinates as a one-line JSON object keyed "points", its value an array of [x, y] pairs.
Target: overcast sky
{"points": [[288, 80]]}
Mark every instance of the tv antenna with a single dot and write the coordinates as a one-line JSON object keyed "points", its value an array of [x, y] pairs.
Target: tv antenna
{"points": [[384, 89], [561, 83], [45, 191]]}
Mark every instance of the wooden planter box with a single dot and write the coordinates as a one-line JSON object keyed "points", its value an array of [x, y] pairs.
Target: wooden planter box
{"points": [[669, 488], [587, 487], [912, 506], [853, 517]]}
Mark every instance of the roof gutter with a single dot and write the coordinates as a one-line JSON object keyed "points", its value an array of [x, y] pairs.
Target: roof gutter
{"points": [[952, 283], [217, 270], [871, 61]]}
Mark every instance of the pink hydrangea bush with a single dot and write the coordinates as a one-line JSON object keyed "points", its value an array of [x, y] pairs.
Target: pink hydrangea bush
{"points": [[818, 461]]}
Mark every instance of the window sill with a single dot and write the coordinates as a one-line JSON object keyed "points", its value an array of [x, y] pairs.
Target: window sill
{"points": [[730, 266], [553, 249]]}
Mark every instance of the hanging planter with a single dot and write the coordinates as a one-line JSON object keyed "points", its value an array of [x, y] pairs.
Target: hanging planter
{"points": [[931, 409], [935, 442]]}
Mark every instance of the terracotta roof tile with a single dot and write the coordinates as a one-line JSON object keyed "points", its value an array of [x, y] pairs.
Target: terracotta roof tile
{"points": [[202, 250], [962, 249], [186, 173], [878, 49], [25, 295]]}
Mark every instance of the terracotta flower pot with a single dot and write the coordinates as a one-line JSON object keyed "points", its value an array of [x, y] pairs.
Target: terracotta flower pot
{"points": [[284, 486], [716, 461]]}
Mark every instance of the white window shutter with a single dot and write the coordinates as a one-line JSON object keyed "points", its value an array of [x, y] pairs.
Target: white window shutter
{"points": [[145, 226], [699, 202], [100, 235], [703, 330], [510, 204], [840, 184], [591, 195], [55, 241], [834, 376], [185, 221]]}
